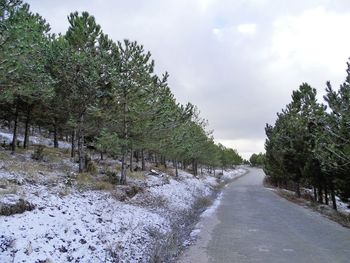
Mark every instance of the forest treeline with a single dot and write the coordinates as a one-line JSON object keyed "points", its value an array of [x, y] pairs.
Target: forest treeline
{"points": [[309, 145], [95, 92], [257, 160]]}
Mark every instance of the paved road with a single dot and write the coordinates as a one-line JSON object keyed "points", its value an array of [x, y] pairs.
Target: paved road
{"points": [[253, 224]]}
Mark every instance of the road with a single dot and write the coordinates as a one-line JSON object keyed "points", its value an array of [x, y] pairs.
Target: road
{"points": [[253, 224]]}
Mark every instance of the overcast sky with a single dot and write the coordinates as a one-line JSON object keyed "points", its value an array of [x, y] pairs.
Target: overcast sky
{"points": [[237, 60]]}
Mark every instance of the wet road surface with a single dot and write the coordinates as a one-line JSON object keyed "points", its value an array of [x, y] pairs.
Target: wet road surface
{"points": [[253, 224]]}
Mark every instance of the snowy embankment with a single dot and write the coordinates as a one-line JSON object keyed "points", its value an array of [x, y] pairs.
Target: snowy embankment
{"points": [[229, 175], [7, 138], [73, 224]]}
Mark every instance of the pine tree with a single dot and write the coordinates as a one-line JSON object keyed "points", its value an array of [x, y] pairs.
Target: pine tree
{"points": [[25, 81]]}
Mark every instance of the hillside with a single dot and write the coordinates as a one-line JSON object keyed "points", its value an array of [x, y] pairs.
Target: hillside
{"points": [[51, 213]]}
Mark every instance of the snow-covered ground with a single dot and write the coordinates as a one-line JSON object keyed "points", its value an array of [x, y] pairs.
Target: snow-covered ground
{"points": [[89, 227], [341, 206], [70, 224], [232, 174], [7, 137]]}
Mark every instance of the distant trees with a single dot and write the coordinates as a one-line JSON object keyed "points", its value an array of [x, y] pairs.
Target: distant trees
{"points": [[257, 159], [309, 145], [97, 92]]}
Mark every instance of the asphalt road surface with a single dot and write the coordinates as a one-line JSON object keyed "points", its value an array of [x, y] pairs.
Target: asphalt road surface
{"points": [[253, 224]]}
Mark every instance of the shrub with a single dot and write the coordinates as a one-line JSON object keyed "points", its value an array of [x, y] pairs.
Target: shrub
{"points": [[91, 167], [19, 207], [137, 175], [103, 186], [203, 202], [84, 179], [38, 154], [112, 177]]}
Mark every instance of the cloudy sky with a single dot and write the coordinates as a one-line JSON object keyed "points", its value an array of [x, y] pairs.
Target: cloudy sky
{"points": [[237, 60]]}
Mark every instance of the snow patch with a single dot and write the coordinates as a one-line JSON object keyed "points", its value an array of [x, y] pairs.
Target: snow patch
{"points": [[87, 227], [232, 174], [7, 137], [211, 210]]}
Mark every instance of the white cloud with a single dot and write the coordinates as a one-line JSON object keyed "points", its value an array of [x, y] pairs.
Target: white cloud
{"points": [[245, 147], [317, 38], [248, 29], [234, 33]]}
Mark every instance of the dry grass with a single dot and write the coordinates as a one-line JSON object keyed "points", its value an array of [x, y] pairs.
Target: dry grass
{"points": [[29, 169], [137, 175], [163, 169], [20, 150], [54, 155], [203, 202], [87, 181], [220, 185], [84, 179], [66, 191], [91, 168], [171, 172], [7, 188], [117, 168], [106, 186], [4, 155], [18, 208]]}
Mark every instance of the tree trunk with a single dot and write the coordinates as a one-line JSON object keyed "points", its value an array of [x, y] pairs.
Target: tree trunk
{"points": [[14, 138], [143, 166], [315, 194], [101, 156], [72, 153], [26, 130], [194, 167], [81, 144], [201, 170], [164, 162], [334, 202], [320, 195], [176, 169], [156, 159], [298, 189], [214, 170], [131, 159], [125, 137], [124, 168], [326, 194], [55, 139], [137, 156], [9, 122]]}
